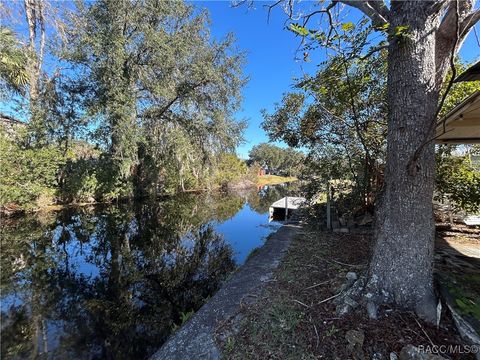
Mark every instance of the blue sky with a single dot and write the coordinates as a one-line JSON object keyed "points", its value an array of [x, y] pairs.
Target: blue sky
{"points": [[271, 63]]}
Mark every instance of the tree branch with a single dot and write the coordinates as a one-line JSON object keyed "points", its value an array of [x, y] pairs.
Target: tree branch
{"points": [[460, 15], [381, 8], [437, 6], [367, 9], [374, 50], [449, 20], [469, 21]]}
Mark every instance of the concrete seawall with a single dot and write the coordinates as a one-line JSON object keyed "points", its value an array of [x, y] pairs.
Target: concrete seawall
{"points": [[195, 339]]}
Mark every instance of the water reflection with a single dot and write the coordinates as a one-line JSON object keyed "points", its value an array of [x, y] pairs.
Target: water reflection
{"points": [[112, 282]]}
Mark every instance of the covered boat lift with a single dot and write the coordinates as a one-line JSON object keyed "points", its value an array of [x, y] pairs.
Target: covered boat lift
{"points": [[282, 209]]}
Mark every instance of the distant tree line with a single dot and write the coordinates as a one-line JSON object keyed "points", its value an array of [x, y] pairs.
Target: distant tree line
{"points": [[276, 160]]}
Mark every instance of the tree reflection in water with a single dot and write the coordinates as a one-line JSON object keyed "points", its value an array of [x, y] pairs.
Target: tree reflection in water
{"points": [[112, 282]]}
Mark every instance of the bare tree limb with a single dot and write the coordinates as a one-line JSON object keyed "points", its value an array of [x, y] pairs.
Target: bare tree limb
{"points": [[367, 9], [469, 21], [437, 7], [270, 7], [449, 20], [41, 20], [374, 51], [381, 8]]}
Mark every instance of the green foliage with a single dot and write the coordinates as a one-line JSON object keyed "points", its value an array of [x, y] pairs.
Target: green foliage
{"points": [[163, 92], [459, 91], [464, 289], [145, 84], [229, 168], [331, 331], [81, 183], [299, 30], [401, 31], [28, 175], [348, 26], [185, 316], [13, 61], [383, 27], [458, 180], [468, 307], [339, 115]]}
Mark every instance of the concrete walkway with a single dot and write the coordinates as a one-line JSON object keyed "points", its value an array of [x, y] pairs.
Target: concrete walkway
{"points": [[195, 340]]}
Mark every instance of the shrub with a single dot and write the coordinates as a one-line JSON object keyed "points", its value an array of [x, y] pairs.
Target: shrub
{"points": [[459, 181], [28, 175], [229, 169]]}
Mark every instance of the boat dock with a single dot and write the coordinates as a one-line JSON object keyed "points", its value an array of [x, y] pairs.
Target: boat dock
{"points": [[282, 209]]}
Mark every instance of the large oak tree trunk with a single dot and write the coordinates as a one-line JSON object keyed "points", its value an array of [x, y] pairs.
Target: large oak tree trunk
{"points": [[401, 271]]}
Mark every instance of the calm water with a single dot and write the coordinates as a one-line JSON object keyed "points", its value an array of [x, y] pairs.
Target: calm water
{"points": [[113, 282]]}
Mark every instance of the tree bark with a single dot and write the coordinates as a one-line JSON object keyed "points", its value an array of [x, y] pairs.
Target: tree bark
{"points": [[401, 270], [35, 16]]}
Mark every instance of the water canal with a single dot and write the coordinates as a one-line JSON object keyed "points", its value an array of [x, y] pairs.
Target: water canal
{"points": [[113, 282]]}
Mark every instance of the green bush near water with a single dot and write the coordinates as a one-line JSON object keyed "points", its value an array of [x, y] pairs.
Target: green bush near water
{"points": [[28, 176]]}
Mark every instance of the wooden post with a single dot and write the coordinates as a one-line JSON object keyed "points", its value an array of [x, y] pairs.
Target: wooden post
{"points": [[286, 207], [329, 210]]}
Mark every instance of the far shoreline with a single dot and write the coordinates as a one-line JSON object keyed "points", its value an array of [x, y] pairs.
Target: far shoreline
{"points": [[264, 180]]}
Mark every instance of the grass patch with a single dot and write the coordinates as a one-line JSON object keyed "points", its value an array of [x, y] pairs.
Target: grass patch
{"points": [[465, 290], [274, 179]]}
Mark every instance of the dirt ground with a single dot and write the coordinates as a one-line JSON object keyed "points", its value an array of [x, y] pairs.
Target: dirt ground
{"points": [[295, 318]]}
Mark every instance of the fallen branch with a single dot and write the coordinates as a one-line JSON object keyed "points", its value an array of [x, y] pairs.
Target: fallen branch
{"points": [[308, 265], [330, 298], [339, 262], [421, 327], [318, 337], [314, 286], [301, 303]]}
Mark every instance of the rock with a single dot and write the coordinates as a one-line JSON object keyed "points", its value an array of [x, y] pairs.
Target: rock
{"points": [[350, 302], [377, 356], [355, 340], [410, 352], [357, 288], [393, 356], [355, 337], [342, 309], [351, 277], [439, 313], [339, 299], [372, 310]]}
